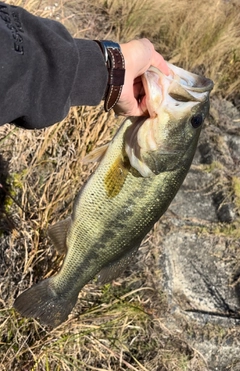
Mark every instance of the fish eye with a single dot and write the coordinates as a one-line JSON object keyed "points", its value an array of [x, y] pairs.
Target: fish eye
{"points": [[197, 120]]}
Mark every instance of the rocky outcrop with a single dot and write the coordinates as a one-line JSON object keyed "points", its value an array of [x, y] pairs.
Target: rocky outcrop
{"points": [[201, 249]]}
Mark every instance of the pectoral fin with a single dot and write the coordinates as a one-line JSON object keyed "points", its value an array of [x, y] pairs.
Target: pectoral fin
{"points": [[58, 234], [116, 268], [96, 155]]}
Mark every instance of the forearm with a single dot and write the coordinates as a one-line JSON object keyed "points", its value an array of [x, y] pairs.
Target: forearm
{"points": [[44, 71]]}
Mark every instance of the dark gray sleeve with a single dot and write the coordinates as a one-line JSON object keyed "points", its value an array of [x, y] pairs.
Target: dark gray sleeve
{"points": [[44, 71]]}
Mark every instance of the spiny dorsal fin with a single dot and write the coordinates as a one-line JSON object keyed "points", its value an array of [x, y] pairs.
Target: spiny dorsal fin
{"points": [[96, 155], [58, 234]]}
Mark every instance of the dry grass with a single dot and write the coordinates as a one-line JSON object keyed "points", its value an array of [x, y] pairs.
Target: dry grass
{"points": [[197, 35], [115, 327]]}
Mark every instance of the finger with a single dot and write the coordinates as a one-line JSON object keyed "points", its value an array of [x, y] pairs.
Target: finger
{"points": [[149, 56], [159, 62]]}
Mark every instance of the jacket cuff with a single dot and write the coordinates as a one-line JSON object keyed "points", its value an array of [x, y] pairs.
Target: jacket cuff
{"points": [[89, 88]]}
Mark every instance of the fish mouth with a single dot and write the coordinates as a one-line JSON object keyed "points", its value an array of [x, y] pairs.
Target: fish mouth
{"points": [[183, 86], [171, 100], [191, 81], [153, 87]]}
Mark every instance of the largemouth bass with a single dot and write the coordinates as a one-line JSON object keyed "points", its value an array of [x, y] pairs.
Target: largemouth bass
{"points": [[137, 178]]}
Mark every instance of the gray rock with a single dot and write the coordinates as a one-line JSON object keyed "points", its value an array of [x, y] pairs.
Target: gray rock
{"points": [[199, 271], [201, 251]]}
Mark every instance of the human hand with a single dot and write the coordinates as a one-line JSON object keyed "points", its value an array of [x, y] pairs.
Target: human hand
{"points": [[139, 55]]}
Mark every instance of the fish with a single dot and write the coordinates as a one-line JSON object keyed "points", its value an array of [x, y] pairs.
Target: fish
{"points": [[139, 173]]}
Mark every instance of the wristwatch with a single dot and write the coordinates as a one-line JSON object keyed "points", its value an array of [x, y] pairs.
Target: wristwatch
{"points": [[115, 63]]}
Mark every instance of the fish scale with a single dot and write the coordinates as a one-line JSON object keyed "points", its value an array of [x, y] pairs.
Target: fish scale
{"points": [[139, 174]]}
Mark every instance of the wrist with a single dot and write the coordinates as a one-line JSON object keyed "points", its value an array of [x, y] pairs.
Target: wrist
{"points": [[115, 64]]}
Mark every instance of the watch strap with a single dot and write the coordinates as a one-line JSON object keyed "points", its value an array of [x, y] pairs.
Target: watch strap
{"points": [[115, 63]]}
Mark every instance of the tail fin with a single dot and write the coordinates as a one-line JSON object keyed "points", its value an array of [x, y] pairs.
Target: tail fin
{"points": [[43, 302]]}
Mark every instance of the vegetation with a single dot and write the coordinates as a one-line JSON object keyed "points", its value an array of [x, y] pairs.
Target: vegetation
{"points": [[118, 326]]}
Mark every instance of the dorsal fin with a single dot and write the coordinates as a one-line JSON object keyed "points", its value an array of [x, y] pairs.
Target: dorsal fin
{"points": [[96, 155], [58, 234]]}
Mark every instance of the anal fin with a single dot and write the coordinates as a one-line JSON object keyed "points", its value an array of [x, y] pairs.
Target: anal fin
{"points": [[114, 269], [58, 234]]}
